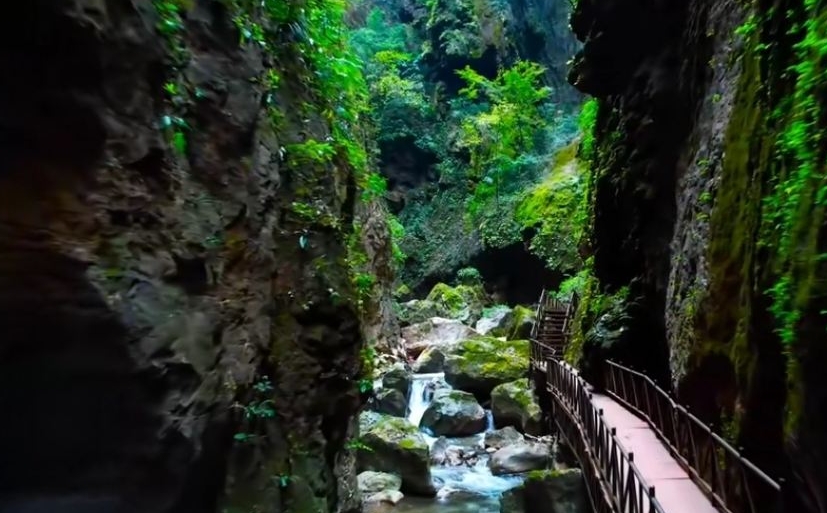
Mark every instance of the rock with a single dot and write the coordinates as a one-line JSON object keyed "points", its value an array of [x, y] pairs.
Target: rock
{"points": [[416, 311], [478, 365], [395, 445], [555, 491], [502, 437], [390, 401], [520, 457], [497, 318], [513, 500], [435, 332], [398, 378], [431, 360], [513, 404], [373, 482], [386, 496], [522, 320], [463, 302], [454, 413]]}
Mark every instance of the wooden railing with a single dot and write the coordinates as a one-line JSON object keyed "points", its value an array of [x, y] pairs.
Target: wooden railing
{"points": [[614, 482], [734, 483]]}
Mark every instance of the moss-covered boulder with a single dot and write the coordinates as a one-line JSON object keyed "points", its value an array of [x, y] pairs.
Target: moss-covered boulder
{"points": [[496, 321], [398, 378], [416, 311], [520, 457], [454, 413], [435, 332], [479, 364], [394, 445], [547, 491], [501, 321], [431, 360], [464, 302], [513, 404], [522, 320], [390, 402]]}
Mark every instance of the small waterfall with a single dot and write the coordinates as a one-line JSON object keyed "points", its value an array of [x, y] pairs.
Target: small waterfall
{"points": [[489, 421], [422, 393]]}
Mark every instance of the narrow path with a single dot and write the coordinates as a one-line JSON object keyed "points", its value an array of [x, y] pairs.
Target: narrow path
{"points": [[674, 489]]}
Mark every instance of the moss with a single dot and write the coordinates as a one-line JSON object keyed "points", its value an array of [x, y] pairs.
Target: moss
{"points": [[554, 206], [408, 444], [492, 357], [542, 475], [463, 302]]}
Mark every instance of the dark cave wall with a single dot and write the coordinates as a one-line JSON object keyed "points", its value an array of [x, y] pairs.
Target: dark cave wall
{"points": [[143, 292], [691, 111]]}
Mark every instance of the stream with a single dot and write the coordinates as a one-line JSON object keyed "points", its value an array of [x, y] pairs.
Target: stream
{"points": [[462, 488]]}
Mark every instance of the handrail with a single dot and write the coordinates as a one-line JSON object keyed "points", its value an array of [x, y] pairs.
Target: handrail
{"points": [[733, 482], [538, 315], [607, 465]]}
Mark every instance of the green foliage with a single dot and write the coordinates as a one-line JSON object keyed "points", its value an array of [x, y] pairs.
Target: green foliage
{"points": [[469, 276], [586, 123], [375, 187], [310, 151], [497, 136], [397, 235], [556, 208], [259, 407], [794, 209]]}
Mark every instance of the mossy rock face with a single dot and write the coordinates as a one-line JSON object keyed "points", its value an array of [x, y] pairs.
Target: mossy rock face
{"points": [[513, 404], [416, 311], [396, 446], [464, 302], [558, 491], [479, 364], [454, 413]]}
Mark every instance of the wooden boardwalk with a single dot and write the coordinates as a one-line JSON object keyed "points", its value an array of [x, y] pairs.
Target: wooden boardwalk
{"points": [[640, 451], [676, 491]]}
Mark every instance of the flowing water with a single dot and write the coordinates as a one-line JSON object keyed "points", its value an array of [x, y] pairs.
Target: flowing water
{"points": [[462, 488]]}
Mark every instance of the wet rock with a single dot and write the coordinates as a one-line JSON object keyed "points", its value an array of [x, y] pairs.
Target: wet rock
{"points": [[514, 404], [431, 360], [396, 446], [372, 482], [454, 413], [398, 378], [502, 437], [390, 401], [521, 457], [495, 320], [478, 365], [391, 497], [547, 491], [435, 332]]}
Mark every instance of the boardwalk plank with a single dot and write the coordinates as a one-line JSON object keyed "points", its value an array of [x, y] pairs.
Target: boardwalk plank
{"points": [[674, 489]]}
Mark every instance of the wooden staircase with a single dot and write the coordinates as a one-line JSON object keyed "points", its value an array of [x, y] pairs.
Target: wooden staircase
{"points": [[551, 326]]}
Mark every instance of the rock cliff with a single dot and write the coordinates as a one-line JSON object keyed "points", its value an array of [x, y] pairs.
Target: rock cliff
{"points": [[179, 328], [707, 191]]}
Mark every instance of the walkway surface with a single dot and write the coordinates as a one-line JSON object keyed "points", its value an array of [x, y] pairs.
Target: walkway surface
{"points": [[676, 492]]}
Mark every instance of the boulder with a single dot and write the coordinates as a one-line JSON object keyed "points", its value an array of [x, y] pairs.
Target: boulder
{"points": [[463, 302], [502, 437], [454, 452], [396, 446], [479, 364], [513, 404], [435, 332], [390, 401], [416, 311], [522, 320], [373, 482], [398, 378], [453, 413], [512, 501], [384, 497], [520, 457], [429, 361], [495, 320], [555, 491]]}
